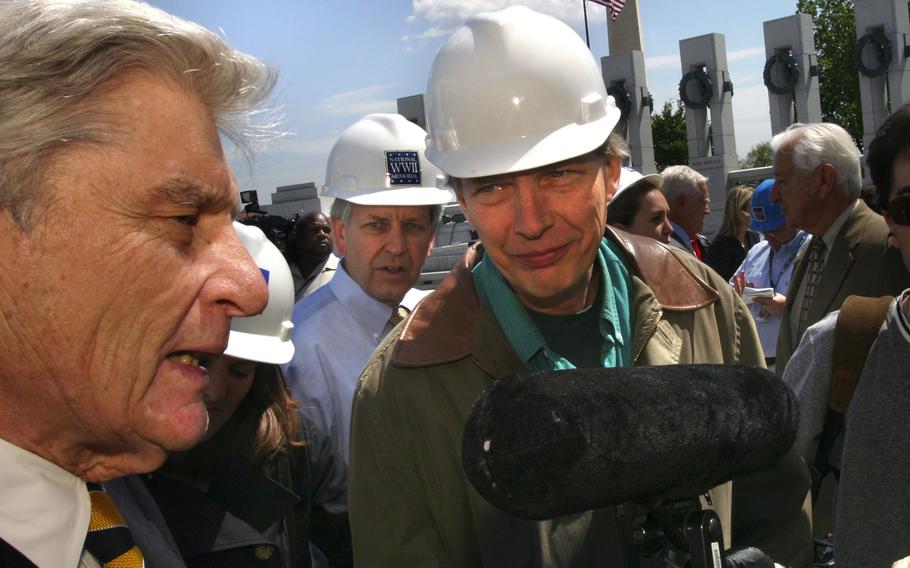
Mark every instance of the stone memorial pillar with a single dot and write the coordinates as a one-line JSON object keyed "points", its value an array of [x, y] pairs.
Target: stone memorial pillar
{"points": [[707, 92], [881, 57], [624, 76], [412, 109], [791, 72]]}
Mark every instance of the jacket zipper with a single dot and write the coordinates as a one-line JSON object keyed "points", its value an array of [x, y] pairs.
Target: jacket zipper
{"points": [[649, 332]]}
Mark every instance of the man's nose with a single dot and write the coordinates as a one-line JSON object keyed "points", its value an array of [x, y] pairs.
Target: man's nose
{"points": [[532, 216], [396, 240], [240, 286]]}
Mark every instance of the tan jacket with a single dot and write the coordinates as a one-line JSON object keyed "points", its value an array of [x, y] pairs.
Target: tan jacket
{"points": [[861, 263], [410, 503]]}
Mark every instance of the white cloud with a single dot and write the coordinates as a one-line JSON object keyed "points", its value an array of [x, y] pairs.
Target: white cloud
{"points": [[445, 15], [430, 33], [750, 53], [662, 62], [359, 102]]}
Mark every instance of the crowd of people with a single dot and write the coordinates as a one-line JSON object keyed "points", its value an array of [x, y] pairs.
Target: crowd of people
{"points": [[181, 389]]}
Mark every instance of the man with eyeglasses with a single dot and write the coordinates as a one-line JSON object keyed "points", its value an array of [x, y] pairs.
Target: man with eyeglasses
{"points": [[817, 181], [872, 499]]}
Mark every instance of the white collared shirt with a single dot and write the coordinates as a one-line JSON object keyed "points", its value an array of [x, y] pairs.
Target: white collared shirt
{"points": [[336, 329], [44, 510]]}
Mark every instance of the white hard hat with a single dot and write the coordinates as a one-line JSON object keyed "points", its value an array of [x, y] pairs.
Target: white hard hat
{"points": [[379, 160], [514, 90], [265, 338], [630, 176]]}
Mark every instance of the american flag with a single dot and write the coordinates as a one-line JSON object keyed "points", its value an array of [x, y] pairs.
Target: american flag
{"points": [[614, 6]]}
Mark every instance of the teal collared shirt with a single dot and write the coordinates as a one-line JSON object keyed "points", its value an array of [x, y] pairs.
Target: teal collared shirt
{"points": [[526, 339]]}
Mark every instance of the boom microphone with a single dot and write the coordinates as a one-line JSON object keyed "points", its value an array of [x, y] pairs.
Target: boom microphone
{"points": [[542, 445]]}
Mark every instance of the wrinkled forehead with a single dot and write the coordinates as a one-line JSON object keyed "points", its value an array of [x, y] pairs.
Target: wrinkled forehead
{"points": [[389, 213], [591, 159]]}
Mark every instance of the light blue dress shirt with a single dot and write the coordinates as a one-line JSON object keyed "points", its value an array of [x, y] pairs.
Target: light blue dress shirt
{"points": [[336, 329], [771, 269]]}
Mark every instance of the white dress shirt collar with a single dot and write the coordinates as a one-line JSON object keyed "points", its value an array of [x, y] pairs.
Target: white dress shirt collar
{"points": [[45, 509], [371, 313], [830, 235]]}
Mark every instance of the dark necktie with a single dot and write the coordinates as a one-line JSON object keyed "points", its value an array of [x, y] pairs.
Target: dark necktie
{"points": [[813, 275], [109, 540], [398, 315]]}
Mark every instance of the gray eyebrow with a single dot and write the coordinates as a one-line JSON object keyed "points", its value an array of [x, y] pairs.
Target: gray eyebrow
{"points": [[187, 190]]}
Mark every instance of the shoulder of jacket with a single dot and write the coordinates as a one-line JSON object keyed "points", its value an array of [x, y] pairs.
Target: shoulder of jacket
{"points": [[678, 280]]}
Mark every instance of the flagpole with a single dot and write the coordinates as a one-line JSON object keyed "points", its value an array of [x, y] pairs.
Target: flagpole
{"points": [[584, 4]]}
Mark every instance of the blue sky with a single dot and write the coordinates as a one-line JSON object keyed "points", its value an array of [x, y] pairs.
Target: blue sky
{"points": [[340, 60]]}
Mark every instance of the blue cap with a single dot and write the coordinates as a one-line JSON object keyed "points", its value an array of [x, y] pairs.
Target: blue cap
{"points": [[766, 216]]}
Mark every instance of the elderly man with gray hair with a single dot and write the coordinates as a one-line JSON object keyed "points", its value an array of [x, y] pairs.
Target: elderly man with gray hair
{"points": [[687, 195], [817, 181], [120, 266]]}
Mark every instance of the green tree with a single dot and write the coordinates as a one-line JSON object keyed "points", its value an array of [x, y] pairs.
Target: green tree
{"points": [[835, 37], [669, 131], [759, 156]]}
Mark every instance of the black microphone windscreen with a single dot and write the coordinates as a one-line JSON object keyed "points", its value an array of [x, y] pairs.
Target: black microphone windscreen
{"points": [[542, 445]]}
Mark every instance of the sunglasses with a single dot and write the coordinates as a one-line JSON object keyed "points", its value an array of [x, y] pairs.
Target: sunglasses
{"points": [[899, 210]]}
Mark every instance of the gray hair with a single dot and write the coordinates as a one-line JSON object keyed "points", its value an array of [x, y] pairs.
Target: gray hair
{"points": [[823, 143], [57, 57], [680, 180], [341, 209]]}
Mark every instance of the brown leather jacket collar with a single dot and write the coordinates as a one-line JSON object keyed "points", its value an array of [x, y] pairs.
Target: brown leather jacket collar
{"points": [[441, 328]]}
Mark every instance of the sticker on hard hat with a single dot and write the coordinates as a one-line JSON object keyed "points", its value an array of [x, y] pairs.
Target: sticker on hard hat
{"points": [[759, 214], [265, 274], [403, 167]]}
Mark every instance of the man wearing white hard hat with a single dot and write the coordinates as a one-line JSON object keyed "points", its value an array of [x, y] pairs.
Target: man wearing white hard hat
{"points": [[520, 121], [384, 217]]}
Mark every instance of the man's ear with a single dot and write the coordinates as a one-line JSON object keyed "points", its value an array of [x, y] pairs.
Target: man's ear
{"points": [[339, 232], [611, 170], [680, 201], [827, 179]]}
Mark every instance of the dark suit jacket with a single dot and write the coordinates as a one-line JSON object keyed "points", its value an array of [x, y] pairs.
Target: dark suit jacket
{"points": [[12, 558], [145, 521], [861, 262]]}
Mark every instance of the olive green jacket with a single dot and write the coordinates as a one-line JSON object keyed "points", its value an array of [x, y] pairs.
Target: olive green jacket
{"points": [[410, 503]]}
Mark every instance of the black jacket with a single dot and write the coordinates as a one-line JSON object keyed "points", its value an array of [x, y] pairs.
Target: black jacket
{"points": [[245, 517]]}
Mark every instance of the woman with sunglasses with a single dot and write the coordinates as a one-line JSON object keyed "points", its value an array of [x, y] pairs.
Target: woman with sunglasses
{"points": [[264, 483], [873, 504]]}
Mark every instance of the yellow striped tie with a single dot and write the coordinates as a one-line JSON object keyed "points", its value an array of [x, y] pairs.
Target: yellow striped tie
{"points": [[109, 539]]}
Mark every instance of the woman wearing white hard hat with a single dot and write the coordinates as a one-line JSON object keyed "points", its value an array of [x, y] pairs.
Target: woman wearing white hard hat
{"points": [[263, 483], [639, 207]]}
